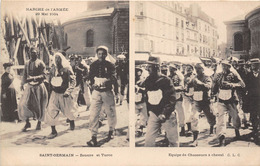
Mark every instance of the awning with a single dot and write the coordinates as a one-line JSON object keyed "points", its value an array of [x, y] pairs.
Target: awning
{"points": [[141, 56]]}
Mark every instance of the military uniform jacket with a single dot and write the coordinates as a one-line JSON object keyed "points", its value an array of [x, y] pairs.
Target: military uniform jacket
{"points": [[163, 85]]}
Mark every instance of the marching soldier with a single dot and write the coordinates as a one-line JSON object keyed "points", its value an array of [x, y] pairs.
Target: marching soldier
{"points": [[178, 82], [140, 102], [102, 78], [61, 100], [201, 101], [35, 97], [225, 84], [161, 105]]}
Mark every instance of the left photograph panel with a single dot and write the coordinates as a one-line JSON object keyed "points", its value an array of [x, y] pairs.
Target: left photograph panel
{"points": [[64, 74]]}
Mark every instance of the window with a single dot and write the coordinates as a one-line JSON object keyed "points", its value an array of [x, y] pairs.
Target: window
{"points": [[177, 22], [188, 48], [182, 26], [90, 38], [238, 42], [66, 39]]}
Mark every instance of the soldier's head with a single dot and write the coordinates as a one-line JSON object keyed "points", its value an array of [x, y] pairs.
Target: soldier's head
{"points": [[255, 64], [199, 68], [173, 69], [34, 54], [189, 68], [153, 65], [138, 72], [102, 52], [226, 66]]}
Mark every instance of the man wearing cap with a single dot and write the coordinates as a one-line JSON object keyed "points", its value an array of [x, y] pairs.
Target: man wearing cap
{"points": [[35, 97], [140, 102], [201, 101], [122, 71], [225, 84], [253, 90], [102, 78], [160, 104], [178, 82]]}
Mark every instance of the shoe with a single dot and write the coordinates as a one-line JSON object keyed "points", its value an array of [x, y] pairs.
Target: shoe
{"points": [[27, 125], [182, 133], [92, 142], [38, 127], [189, 134], [237, 137], [72, 125], [222, 141], [214, 141], [52, 135], [211, 130], [194, 143], [110, 136]]}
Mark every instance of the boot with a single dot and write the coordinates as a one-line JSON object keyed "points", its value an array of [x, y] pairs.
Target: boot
{"points": [[110, 135], [72, 125], [189, 133], [222, 141], [237, 137], [195, 139], [27, 125], [211, 130], [182, 133], [92, 142], [53, 133], [38, 126]]}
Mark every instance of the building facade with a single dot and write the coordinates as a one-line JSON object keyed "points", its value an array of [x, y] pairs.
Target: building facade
{"points": [[167, 28], [106, 24], [243, 35]]}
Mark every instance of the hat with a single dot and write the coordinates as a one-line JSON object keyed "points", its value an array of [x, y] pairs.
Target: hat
{"points": [[254, 60], [241, 62], [33, 49], [154, 60], [7, 65], [225, 62], [102, 48], [121, 56], [190, 65], [173, 66]]}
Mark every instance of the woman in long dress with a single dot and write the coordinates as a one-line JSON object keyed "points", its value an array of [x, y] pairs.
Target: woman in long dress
{"points": [[8, 96]]}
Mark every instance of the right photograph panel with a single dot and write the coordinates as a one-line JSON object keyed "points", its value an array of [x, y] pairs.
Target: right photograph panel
{"points": [[197, 81]]}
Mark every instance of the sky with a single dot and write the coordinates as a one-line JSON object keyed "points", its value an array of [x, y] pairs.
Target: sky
{"points": [[225, 11]]}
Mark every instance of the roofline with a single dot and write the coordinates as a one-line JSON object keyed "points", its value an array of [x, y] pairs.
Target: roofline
{"points": [[252, 13], [234, 22], [85, 18]]}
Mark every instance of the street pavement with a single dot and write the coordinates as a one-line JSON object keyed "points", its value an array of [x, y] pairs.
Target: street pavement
{"points": [[11, 135], [204, 138]]}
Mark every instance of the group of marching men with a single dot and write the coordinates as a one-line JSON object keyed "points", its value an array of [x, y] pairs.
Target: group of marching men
{"points": [[46, 97], [225, 88]]}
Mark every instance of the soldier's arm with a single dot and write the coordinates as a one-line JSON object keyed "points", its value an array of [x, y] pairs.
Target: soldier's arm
{"points": [[239, 81], [169, 99], [113, 78], [72, 81], [42, 74]]}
